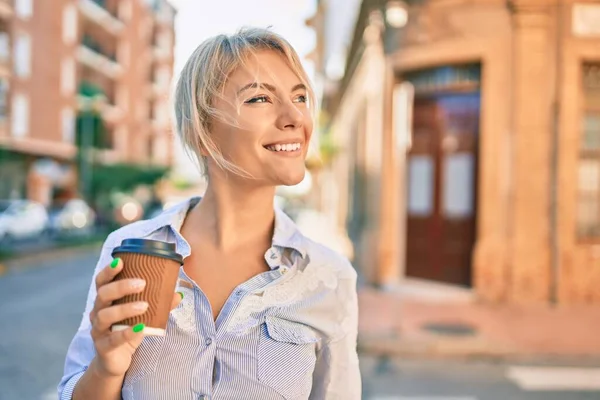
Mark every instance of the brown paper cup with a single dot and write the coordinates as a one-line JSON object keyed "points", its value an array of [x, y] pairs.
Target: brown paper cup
{"points": [[161, 275]]}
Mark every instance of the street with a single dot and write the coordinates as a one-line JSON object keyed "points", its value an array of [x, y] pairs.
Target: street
{"points": [[41, 304]]}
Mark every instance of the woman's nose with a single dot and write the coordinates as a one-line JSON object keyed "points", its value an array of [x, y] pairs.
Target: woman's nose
{"points": [[290, 116]]}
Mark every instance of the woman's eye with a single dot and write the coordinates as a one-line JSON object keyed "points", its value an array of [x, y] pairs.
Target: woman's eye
{"points": [[258, 99], [301, 99]]}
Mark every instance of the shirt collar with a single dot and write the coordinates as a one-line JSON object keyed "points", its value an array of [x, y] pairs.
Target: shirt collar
{"points": [[286, 234]]}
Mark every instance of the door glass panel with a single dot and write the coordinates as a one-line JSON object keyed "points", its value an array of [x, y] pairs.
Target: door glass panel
{"points": [[589, 197], [420, 186], [458, 186], [591, 131]]}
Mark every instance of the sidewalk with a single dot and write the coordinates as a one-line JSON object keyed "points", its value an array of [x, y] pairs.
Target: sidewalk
{"points": [[424, 319]]}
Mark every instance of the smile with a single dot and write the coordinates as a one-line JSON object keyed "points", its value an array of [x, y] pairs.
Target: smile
{"points": [[289, 147]]}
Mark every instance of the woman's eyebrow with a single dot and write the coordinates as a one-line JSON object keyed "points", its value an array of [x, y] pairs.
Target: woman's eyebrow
{"points": [[300, 86], [271, 88], [254, 85]]}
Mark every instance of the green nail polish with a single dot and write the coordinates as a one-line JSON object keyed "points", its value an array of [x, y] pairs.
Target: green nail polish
{"points": [[138, 328], [181, 294], [114, 263]]}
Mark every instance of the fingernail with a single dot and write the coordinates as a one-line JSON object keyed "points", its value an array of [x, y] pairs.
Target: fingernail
{"points": [[140, 306], [138, 328], [114, 263], [137, 283], [181, 294]]}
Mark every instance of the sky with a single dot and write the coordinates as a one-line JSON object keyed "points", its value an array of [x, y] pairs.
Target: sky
{"points": [[198, 20]]}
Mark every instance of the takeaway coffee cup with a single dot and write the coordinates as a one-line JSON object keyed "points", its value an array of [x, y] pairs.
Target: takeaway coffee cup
{"points": [[158, 264]]}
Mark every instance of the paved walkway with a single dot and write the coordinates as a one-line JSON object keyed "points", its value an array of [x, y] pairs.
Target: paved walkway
{"points": [[424, 319]]}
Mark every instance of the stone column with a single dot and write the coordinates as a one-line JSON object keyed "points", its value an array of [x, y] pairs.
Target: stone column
{"points": [[533, 77]]}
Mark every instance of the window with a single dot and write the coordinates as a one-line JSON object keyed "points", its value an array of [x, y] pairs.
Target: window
{"points": [[24, 8], [68, 125], [588, 207], [20, 115], [70, 24], [23, 55], [67, 76]]}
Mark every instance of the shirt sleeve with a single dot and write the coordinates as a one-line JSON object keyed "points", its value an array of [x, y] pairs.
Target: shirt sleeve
{"points": [[337, 373], [81, 350]]}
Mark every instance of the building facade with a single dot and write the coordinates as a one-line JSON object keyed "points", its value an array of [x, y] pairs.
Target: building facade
{"points": [[471, 144], [60, 51]]}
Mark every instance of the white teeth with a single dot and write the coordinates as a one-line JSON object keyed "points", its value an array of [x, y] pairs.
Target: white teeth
{"points": [[285, 147]]}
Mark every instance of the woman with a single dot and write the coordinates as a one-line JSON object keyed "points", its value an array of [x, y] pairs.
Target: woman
{"points": [[265, 313]]}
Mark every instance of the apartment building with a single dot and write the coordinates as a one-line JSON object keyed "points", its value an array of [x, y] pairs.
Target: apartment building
{"points": [[62, 58]]}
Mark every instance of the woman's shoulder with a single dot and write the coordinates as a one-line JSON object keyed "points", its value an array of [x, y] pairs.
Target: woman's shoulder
{"points": [[323, 256]]}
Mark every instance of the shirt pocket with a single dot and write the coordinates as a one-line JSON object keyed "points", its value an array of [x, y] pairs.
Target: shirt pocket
{"points": [[286, 357]]}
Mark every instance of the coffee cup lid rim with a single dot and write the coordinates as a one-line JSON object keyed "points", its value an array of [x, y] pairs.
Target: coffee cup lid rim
{"points": [[149, 247]]}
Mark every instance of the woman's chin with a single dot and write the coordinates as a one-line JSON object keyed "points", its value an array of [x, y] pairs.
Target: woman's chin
{"points": [[292, 179]]}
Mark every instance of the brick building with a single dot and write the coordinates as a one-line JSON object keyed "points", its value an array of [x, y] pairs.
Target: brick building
{"points": [[471, 137], [51, 53]]}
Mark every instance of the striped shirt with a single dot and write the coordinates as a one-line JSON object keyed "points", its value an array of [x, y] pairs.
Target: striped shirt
{"points": [[287, 333]]}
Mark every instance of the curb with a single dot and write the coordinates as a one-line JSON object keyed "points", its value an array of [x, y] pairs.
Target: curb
{"points": [[454, 348]]}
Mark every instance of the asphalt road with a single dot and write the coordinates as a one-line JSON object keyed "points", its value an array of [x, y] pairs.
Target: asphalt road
{"points": [[41, 304]]}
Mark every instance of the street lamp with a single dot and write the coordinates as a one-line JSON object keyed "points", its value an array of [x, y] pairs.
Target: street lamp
{"points": [[396, 14]]}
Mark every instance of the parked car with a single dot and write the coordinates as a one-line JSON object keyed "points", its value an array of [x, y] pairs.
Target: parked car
{"points": [[20, 219], [74, 216]]}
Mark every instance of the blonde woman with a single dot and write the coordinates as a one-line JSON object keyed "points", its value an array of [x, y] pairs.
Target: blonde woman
{"points": [[266, 313]]}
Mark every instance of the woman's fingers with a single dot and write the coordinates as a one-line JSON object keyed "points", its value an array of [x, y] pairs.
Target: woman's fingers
{"points": [[111, 315], [133, 336], [177, 299], [112, 291], [109, 272]]}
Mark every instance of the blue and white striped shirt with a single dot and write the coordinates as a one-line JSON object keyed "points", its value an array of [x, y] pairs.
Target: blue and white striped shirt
{"points": [[288, 333]]}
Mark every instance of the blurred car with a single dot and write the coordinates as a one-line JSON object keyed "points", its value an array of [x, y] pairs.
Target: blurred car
{"points": [[74, 216], [20, 219]]}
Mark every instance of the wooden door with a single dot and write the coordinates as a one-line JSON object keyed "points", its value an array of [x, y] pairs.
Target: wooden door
{"points": [[441, 187]]}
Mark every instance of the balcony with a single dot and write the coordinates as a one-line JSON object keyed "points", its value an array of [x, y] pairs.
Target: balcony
{"points": [[6, 9], [164, 13], [92, 55], [110, 113], [160, 53], [5, 66], [95, 10]]}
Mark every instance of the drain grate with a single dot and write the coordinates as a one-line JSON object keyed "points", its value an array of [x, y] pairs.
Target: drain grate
{"points": [[450, 329]]}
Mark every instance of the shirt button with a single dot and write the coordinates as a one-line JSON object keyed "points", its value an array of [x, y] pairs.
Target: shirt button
{"points": [[208, 341], [239, 293], [283, 270]]}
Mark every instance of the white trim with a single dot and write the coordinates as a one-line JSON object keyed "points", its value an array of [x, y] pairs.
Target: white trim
{"points": [[148, 331]]}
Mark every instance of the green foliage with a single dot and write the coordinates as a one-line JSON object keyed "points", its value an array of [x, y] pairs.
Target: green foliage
{"points": [[124, 177]]}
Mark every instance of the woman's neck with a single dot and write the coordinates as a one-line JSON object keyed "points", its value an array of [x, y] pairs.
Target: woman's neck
{"points": [[230, 216]]}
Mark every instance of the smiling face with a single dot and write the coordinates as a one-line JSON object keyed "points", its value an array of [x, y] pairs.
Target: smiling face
{"points": [[273, 123]]}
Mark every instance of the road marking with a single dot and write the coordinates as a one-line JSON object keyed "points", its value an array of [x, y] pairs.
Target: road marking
{"points": [[554, 378], [421, 398], [50, 394]]}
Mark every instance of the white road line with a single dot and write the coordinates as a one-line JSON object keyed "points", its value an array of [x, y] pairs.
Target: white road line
{"points": [[50, 394], [421, 398], [555, 379]]}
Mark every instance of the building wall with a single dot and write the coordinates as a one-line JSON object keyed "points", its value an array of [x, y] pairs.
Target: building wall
{"points": [[531, 82], [579, 260], [59, 33]]}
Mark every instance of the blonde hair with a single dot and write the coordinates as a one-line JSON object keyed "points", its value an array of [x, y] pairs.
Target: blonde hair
{"points": [[202, 81]]}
